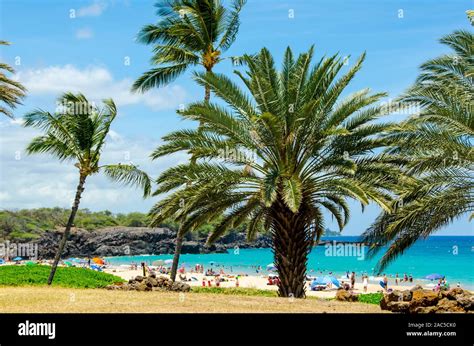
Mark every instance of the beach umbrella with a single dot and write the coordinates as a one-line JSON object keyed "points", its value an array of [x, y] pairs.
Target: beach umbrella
{"points": [[98, 260], [434, 276], [69, 264], [17, 259], [168, 261], [158, 263], [271, 267], [324, 280], [2, 261], [30, 263]]}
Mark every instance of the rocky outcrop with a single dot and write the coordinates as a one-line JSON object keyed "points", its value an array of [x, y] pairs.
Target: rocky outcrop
{"points": [[151, 283], [346, 296], [419, 300], [131, 241]]}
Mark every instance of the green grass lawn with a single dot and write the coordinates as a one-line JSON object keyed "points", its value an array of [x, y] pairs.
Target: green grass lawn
{"points": [[37, 275], [241, 291]]}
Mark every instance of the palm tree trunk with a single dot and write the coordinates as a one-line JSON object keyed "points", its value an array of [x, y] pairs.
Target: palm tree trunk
{"points": [[177, 253], [70, 222], [179, 238], [292, 239], [207, 89]]}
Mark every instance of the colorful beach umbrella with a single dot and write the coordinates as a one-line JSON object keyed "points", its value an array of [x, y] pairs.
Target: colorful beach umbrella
{"points": [[98, 260], [434, 276]]}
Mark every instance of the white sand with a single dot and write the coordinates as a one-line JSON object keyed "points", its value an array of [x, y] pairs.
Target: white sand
{"points": [[254, 281]]}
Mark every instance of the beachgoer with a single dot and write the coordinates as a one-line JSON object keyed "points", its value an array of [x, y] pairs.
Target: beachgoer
{"points": [[385, 282], [353, 280], [410, 278], [236, 281], [405, 277], [365, 282], [396, 279]]}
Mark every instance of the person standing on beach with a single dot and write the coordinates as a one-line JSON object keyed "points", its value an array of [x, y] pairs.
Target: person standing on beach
{"points": [[396, 279], [353, 280], [385, 282], [365, 282]]}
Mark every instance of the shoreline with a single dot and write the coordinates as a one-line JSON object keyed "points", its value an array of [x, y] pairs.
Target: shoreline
{"points": [[260, 282]]}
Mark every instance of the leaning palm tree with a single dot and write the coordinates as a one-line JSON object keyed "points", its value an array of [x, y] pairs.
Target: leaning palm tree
{"points": [[189, 33], [77, 132], [278, 156], [437, 146], [11, 92]]}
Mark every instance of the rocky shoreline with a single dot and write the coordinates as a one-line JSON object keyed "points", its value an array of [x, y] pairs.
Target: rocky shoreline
{"points": [[132, 241]]}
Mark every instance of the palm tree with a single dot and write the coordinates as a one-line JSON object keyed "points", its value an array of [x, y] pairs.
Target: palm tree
{"points": [[437, 146], [77, 132], [11, 92], [277, 157], [190, 33]]}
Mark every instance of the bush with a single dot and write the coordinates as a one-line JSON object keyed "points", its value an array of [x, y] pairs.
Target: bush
{"points": [[37, 275], [371, 298]]}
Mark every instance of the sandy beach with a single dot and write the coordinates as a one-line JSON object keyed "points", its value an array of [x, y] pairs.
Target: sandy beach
{"points": [[255, 281]]}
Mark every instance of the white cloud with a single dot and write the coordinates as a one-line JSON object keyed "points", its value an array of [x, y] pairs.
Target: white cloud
{"points": [[84, 33], [92, 10], [34, 181], [97, 83]]}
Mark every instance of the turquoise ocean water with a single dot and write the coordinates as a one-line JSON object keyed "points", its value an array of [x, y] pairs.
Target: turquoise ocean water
{"points": [[447, 255]]}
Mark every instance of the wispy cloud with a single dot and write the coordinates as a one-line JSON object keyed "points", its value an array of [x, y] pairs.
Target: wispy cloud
{"points": [[92, 10], [97, 83], [84, 33], [34, 181]]}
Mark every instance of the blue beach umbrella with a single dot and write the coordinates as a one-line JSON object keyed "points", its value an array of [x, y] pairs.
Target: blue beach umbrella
{"points": [[17, 259], [324, 280], [271, 267], [1, 261], [434, 276]]}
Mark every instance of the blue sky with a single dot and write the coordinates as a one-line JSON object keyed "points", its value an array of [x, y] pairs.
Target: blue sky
{"points": [[86, 45]]}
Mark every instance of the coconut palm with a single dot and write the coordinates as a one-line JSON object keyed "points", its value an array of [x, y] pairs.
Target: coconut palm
{"points": [[77, 132], [189, 33], [11, 92], [437, 146], [278, 156]]}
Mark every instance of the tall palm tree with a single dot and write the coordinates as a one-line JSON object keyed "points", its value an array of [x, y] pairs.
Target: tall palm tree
{"points": [[11, 92], [189, 33], [437, 147], [77, 132], [278, 156]]}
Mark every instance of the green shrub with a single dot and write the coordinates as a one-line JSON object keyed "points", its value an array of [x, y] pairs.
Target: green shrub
{"points": [[371, 298]]}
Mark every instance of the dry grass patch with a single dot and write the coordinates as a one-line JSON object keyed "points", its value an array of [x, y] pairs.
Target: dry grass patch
{"points": [[62, 300]]}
